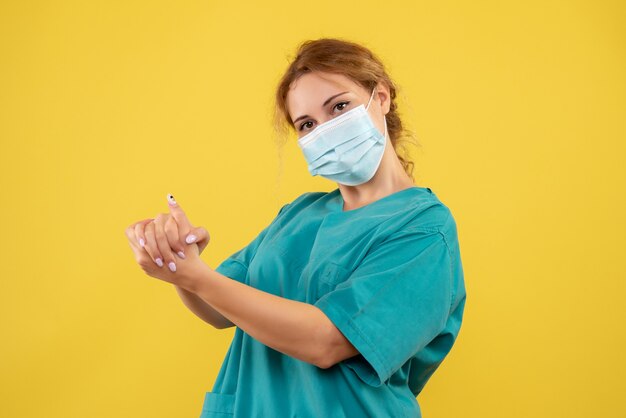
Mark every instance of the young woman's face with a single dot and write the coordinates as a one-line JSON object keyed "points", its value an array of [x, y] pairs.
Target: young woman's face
{"points": [[317, 97]]}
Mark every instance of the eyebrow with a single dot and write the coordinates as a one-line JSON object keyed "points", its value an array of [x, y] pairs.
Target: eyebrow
{"points": [[325, 103]]}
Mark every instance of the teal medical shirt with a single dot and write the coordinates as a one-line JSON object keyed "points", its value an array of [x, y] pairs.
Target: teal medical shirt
{"points": [[388, 275]]}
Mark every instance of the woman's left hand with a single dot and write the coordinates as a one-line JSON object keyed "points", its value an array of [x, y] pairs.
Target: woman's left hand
{"points": [[182, 272]]}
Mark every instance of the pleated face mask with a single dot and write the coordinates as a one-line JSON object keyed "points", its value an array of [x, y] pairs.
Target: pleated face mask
{"points": [[347, 149]]}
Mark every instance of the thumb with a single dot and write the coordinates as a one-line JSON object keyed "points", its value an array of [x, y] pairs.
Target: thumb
{"points": [[184, 226], [201, 235]]}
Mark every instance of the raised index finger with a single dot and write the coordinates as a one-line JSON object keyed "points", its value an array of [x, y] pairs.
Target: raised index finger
{"points": [[184, 226]]}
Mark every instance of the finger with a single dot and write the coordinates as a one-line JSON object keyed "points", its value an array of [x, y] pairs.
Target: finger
{"points": [[184, 226], [139, 234], [151, 246], [173, 238], [202, 237], [132, 240], [141, 221], [162, 243], [132, 236]]}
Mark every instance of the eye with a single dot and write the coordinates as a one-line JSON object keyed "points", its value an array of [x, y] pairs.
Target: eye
{"points": [[341, 103], [340, 106], [302, 125]]}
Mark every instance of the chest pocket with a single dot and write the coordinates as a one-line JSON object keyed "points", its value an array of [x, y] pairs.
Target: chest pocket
{"points": [[317, 280]]}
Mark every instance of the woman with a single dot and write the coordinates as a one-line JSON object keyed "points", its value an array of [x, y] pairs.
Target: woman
{"points": [[348, 301]]}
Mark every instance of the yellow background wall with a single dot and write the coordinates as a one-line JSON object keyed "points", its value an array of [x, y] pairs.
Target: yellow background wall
{"points": [[107, 106]]}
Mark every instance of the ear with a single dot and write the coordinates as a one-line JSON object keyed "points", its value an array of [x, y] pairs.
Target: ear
{"points": [[383, 96]]}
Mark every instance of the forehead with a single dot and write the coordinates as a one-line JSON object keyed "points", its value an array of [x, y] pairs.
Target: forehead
{"points": [[308, 92]]}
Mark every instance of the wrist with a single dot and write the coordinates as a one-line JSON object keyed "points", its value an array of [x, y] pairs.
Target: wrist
{"points": [[198, 277]]}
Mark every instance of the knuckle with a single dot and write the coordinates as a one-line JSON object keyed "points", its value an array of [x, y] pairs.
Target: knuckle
{"points": [[143, 258], [176, 244], [167, 256], [170, 228], [144, 262]]}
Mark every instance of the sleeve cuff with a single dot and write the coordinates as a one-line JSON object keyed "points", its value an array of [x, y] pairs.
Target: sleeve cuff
{"points": [[233, 269], [369, 365]]}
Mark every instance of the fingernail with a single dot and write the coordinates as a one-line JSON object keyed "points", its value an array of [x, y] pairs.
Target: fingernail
{"points": [[181, 254], [142, 242], [159, 262], [172, 266], [170, 200], [190, 238]]}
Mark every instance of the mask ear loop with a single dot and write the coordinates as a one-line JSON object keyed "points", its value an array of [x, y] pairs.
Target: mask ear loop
{"points": [[370, 100], [385, 119], [384, 116]]}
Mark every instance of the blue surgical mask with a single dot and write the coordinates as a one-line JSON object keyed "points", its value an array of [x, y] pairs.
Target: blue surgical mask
{"points": [[347, 149]]}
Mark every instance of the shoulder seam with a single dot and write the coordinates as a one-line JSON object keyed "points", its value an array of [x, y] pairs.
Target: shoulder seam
{"points": [[452, 294]]}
